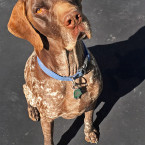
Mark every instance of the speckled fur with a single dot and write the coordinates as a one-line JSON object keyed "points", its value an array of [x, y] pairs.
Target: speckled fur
{"points": [[53, 98]]}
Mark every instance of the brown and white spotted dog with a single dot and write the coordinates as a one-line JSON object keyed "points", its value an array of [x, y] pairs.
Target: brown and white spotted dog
{"points": [[56, 28]]}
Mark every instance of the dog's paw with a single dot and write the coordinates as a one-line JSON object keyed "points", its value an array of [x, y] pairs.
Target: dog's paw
{"points": [[33, 113], [92, 136]]}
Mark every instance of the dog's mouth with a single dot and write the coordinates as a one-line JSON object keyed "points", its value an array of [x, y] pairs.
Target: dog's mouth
{"points": [[84, 35], [80, 32], [83, 31]]}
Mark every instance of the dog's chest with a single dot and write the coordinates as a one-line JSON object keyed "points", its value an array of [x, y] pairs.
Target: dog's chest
{"points": [[55, 98]]}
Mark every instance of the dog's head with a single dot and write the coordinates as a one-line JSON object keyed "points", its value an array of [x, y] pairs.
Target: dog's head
{"points": [[60, 20]]}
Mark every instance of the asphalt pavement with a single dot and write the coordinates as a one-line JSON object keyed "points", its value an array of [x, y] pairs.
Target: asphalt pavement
{"points": [[118, 44]]}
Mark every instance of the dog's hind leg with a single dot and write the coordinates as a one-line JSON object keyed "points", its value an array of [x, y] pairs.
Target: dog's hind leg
{"points": [[33, 113]]}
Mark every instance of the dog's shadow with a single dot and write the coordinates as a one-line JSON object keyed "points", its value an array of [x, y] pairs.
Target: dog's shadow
{"points": [[122, 65]]}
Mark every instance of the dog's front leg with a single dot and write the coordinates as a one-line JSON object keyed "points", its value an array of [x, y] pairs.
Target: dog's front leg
{"points": [[47, 128], [91, 134]]}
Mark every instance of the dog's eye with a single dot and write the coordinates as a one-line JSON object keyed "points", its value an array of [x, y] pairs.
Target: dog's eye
{"points": [[39, 10]]}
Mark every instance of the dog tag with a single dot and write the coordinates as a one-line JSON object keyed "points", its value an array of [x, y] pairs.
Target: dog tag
{"points": [[77, 93]]}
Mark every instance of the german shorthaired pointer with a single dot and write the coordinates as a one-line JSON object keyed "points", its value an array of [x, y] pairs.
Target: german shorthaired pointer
{"points": [[62, 76]]}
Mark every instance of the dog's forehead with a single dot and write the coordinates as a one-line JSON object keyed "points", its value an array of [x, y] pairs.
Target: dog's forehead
{"points": [[50, 2]]}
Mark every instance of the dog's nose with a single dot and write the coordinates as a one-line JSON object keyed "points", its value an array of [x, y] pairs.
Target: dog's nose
{"points": [[72, 20]]}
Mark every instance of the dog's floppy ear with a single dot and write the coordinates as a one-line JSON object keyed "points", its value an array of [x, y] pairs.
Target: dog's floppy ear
{"points": [[19, 26]]}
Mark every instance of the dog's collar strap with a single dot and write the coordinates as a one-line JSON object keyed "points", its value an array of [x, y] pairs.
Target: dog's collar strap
{"points": [[80, 72]]}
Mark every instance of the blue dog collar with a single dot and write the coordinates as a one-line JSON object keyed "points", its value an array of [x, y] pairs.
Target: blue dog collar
{"points": [[79, 73]]}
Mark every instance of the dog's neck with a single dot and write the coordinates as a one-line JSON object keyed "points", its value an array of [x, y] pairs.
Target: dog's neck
{"points": [[61, 61]]}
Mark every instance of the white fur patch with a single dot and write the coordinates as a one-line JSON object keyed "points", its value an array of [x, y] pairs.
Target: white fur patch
{"points": [[29, 95]]}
